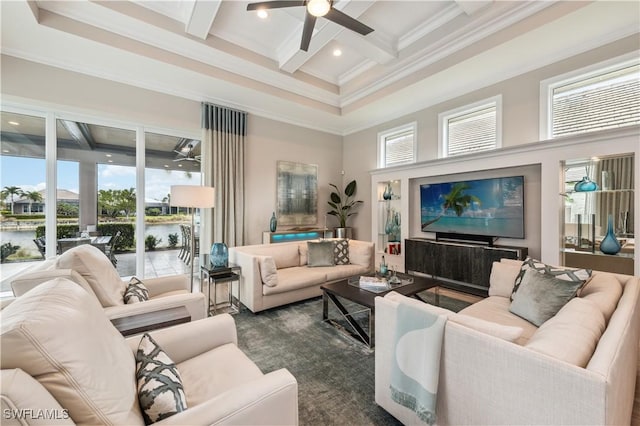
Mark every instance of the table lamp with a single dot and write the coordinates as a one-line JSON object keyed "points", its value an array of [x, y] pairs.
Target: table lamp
{"points": [[193, 197]]}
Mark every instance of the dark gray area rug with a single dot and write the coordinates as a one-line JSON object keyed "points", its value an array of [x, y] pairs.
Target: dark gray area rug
{"points": [[335, 372]]}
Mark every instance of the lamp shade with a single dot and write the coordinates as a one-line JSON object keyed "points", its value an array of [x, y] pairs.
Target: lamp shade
{"points": [[192, 196]]}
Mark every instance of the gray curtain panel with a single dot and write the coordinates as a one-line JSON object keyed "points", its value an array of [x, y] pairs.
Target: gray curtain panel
{"points": [[224, 132]]}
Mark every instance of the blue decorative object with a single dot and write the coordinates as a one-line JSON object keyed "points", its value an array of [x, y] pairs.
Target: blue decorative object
{"points": [[586, 185], [610, 245], [219, 255], [388, 192], [273, 223]]}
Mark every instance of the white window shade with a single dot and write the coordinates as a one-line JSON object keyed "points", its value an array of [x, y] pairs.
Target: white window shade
{"points": [[399, 149], [397, 146], [472, 131], [600, 102]]}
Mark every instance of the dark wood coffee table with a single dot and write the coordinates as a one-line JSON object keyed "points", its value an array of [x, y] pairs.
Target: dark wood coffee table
{"points": [[149, 321], [366, 299]]}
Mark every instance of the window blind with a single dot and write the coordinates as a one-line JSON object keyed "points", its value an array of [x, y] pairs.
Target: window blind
{"points": [[398, 148], [605, 101], [471, 132]]}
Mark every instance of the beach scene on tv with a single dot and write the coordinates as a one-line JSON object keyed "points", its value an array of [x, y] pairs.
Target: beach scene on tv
{"points": [[489, 207]]}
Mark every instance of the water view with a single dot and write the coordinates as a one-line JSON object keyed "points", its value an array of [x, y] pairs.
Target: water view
{"points": [[24, 238]]}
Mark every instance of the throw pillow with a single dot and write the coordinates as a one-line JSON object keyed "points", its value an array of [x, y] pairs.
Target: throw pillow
{"points": [[502, 277], [268, 271], [160, 391], [136, 292], [341, 252], [320, 253], [541, 296], [560, 272]]}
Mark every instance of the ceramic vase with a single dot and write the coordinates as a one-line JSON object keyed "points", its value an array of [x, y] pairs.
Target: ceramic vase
{"points": [[273, 222], [219, 255], [387, 192], [586, 185], [610, 245]]}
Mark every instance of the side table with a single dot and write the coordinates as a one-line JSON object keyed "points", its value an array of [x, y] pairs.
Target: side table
{"points": [[211, 276]]}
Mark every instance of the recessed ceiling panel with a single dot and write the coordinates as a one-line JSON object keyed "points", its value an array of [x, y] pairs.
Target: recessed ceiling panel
{"points": [[235, 24], [327, 66]]}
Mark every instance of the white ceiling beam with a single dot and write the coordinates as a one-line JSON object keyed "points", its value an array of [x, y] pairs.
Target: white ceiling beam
{"points": [[472, 6], [291, 58], [202, 15]]}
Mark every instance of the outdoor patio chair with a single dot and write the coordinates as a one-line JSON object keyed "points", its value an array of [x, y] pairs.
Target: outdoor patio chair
{"points": [[110, 249], [41, 243]]}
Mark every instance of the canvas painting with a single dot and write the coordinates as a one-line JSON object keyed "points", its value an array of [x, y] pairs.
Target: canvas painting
{"points": [[297, 193]]}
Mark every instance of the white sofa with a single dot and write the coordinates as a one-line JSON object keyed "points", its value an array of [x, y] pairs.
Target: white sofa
{"points": [[88, 267], [577, 368], [64, 363], [294, 280]]}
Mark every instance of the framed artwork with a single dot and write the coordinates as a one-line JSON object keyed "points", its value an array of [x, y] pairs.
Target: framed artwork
{"points": [[297, 202]]}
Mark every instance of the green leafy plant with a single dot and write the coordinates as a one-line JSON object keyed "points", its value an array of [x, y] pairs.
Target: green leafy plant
{"points": [[151, 241], [343, 204], [173, 240], [6, 250]]}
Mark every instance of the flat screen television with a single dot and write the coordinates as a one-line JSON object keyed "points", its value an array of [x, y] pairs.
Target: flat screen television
{"points": [[483, 207]]}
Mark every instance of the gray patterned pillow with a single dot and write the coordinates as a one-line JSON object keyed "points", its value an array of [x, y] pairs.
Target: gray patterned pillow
{"points": [[567, 274], [136, 292], [320, 253], [160, 391], [341, 252]]}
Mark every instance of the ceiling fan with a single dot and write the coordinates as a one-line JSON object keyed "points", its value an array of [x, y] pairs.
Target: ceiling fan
{"points": [[187, 154], [315, 9]]}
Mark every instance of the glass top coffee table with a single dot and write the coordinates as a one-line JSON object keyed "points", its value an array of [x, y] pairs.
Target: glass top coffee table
{"points": [[365, 300]]}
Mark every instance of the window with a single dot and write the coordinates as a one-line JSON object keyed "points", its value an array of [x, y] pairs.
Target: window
{"points": [[472, 128], [604, 97], [397, 146]]}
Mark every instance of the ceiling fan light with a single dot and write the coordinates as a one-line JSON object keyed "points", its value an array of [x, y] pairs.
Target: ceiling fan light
{"points": [[318, 7]]}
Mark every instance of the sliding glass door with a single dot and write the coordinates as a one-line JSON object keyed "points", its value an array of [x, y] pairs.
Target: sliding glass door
{"points": [[103, 179], [23, 186]]}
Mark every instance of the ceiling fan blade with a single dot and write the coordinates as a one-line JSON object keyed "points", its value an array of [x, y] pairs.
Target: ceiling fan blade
{"points": [[274, 4], [347, 21], [307, 31]]}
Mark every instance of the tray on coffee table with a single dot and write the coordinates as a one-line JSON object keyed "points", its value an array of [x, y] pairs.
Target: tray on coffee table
{"points": [[379, 284]]}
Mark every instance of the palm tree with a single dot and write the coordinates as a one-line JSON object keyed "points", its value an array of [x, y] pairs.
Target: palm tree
{"points": [[11, 191], [33, 197], [456, 200]]}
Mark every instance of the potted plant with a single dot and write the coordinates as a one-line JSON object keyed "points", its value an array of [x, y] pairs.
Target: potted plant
{"points": [[343, 206]]}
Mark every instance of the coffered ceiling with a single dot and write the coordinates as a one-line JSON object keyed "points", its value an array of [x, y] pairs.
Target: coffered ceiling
{"points": [[420, 52]]}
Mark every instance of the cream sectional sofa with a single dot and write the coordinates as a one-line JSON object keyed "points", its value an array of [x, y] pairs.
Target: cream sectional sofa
{"points": [[263, 287], [576, 368]]}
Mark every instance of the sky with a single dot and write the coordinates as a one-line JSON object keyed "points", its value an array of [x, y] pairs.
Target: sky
{"points": [[29, 175]]}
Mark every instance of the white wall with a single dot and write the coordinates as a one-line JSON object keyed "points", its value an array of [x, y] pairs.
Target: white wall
{"points": [[270, 141], [521, 106]]}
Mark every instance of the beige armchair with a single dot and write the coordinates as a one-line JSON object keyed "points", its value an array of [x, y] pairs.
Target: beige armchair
{"points": [[61, 355], [90, 268]]}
